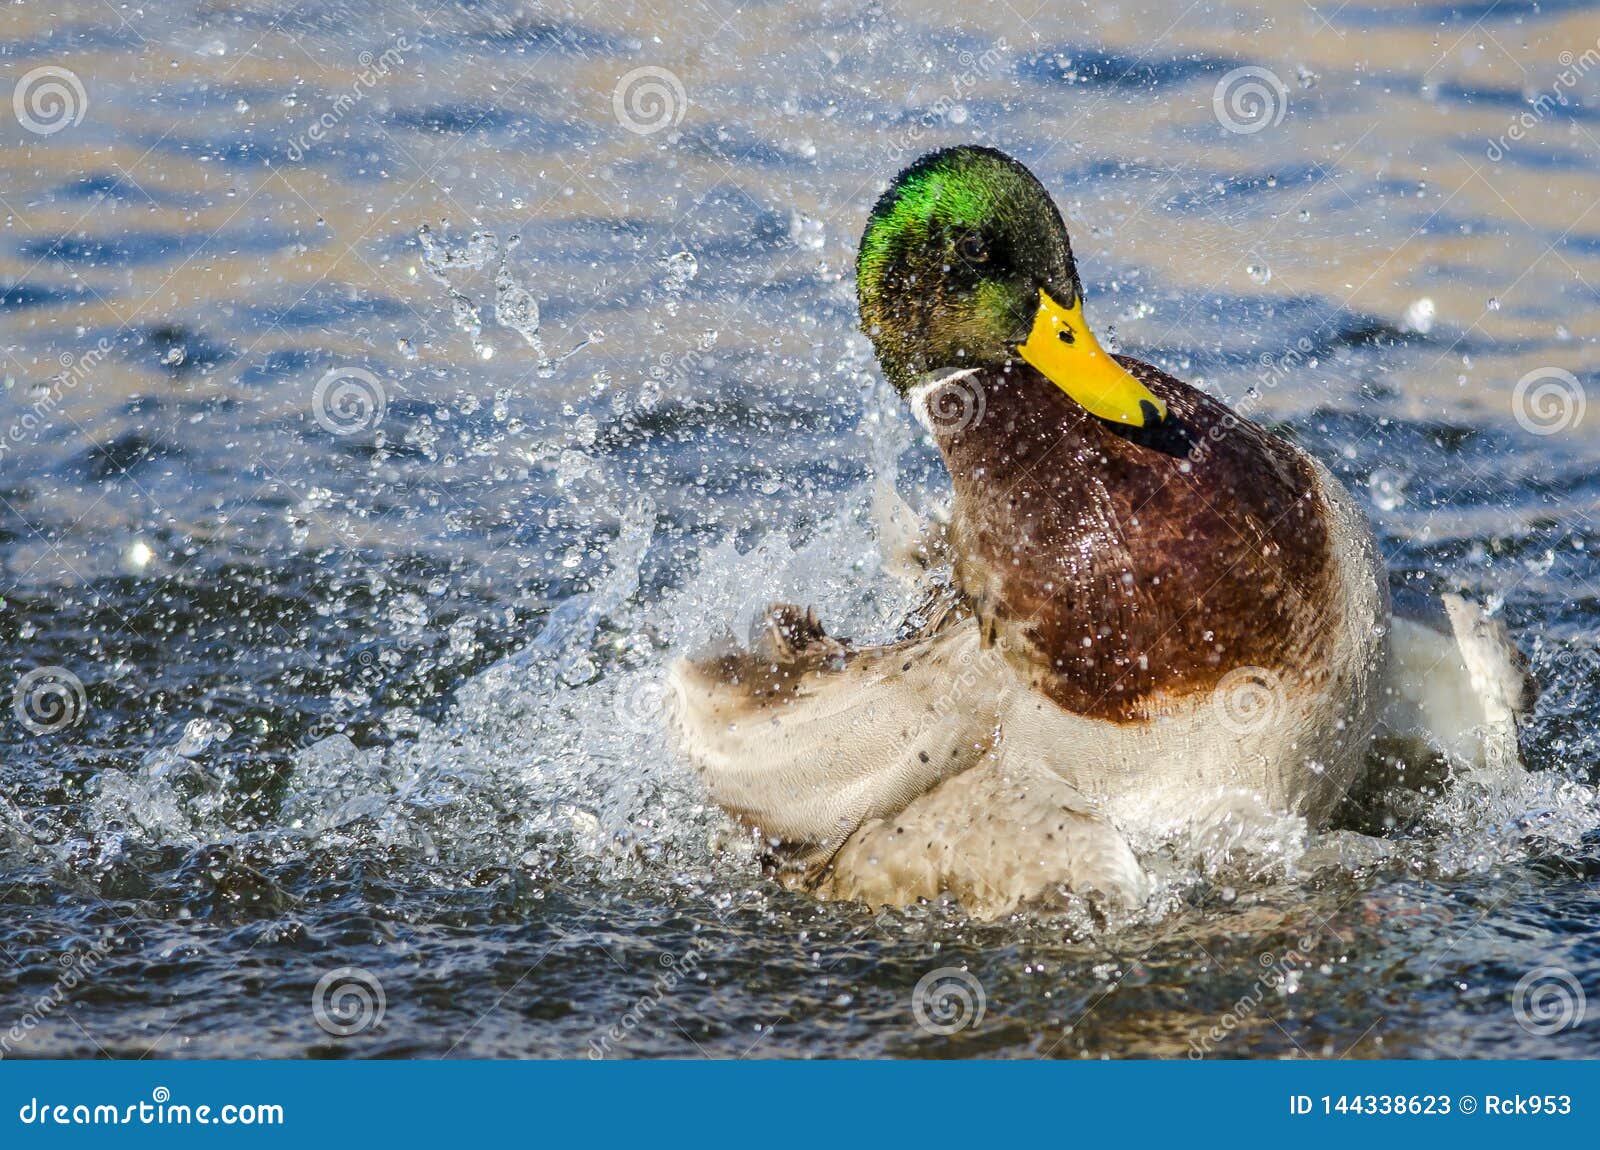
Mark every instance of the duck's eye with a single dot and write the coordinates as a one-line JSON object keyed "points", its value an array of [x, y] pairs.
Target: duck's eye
{"points": [[973, 248]]}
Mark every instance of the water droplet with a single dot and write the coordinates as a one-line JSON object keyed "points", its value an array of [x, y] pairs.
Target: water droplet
{"points": [[1387, 487], [681, 267], [1419, 316], [198, 734], [137, 557], [1260, 273]]}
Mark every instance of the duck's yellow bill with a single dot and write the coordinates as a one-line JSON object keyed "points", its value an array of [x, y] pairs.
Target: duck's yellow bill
{"points": [[1065, 352]]}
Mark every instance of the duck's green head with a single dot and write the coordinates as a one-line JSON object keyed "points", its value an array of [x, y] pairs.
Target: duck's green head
{"points": [[965, 262]]}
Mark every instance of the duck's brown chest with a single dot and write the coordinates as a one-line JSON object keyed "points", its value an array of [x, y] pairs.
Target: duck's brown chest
{"points": [[1121, 570]]}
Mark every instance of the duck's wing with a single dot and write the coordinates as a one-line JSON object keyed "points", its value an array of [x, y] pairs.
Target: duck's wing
{"points": [[1005, 832], [806, 739], [1458, 682]]}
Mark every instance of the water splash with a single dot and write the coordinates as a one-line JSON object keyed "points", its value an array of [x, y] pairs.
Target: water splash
{"points": [[515, 305], [680, 268], [440, 261], [516, 308]]}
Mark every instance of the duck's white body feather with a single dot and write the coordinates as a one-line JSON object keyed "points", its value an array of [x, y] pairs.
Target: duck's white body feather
{"points": [[896, 773]]}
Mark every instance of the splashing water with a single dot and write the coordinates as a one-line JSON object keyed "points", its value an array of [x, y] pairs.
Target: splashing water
{"points": [[440, 645], [440, 261], [516, 308], [680, 268]]}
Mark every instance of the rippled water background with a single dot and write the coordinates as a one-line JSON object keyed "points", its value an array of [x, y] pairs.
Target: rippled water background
{"points": [[368, 680]]}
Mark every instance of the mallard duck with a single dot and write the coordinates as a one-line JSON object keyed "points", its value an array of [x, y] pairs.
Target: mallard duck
{"points": [[1141, 605]]}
